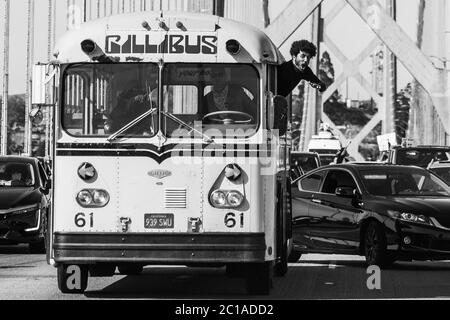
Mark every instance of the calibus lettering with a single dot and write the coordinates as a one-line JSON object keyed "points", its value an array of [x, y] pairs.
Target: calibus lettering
{"points": [[137, 48], [209, 45], [149, 47], [112, 45], [164, 46], [193, 49], [175, 46], [126, 47]]}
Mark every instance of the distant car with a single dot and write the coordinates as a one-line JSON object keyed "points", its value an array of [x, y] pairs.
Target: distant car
{"points": [[326, 145], [420, 156], [383, 212], [24, 202], [303, 162]]}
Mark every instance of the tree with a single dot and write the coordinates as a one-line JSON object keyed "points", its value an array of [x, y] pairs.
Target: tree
{"points": [[402, 108], [16, 123]]}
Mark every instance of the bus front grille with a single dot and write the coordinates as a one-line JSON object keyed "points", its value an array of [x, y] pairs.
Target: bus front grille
{"points": [[175, 198]]}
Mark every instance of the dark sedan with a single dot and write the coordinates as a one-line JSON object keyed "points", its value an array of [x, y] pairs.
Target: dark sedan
{"points": [[24, 202], [383, 212]]}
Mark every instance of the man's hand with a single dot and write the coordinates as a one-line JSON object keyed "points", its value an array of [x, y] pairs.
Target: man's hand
{"points": [[319, 86]]}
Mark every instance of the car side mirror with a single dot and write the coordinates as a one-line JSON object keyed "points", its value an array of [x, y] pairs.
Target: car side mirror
{"points": [[280, 114], [346, 192]]}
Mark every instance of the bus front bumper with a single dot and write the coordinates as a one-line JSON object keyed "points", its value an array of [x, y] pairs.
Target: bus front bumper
{"points": [[177, 249]]}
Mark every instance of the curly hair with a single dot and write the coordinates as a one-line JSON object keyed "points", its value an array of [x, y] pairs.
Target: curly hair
{"points": [[305, 46]]}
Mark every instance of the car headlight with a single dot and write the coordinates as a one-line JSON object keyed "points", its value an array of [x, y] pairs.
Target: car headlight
{"points": [[93, 198], [410, 217], [226, 199], [23, 210]]}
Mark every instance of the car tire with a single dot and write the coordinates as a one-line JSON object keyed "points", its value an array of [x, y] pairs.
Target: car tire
{"points": [[375, 247], [294, 257], [72, 279], [281, 268], [259, 278], [130, 269]]}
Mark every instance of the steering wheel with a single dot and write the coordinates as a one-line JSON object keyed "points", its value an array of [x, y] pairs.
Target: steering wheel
{"points": [[214, 116]]}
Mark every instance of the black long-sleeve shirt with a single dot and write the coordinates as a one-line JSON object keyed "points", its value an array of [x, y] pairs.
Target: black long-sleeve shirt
{"points": [[289, 76]]}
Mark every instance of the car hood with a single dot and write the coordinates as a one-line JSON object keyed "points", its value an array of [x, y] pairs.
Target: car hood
{"points": [[437, 207], [18, 197]]}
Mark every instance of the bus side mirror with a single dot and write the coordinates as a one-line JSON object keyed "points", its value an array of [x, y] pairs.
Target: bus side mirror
{"points": [[38, 94], [280, 114], [36, 115]]}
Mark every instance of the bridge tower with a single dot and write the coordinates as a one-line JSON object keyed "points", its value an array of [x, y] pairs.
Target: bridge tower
{"points": [[430, 73], [433, 38]]}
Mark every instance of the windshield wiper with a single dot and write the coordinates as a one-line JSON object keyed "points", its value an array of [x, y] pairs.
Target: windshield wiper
{"points": [[181, 122], [131, 124]]}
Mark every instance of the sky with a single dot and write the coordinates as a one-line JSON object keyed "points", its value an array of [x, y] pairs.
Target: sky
{"points": [[345, 24]]}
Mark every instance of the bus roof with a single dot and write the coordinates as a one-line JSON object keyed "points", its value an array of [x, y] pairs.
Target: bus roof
{"points": [[171, 36]]}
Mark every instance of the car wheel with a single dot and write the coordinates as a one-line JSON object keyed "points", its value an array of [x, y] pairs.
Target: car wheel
{"points": [[72, 279], [40, 247], [259, 278], [375, 247], [281, 268], [294, 257], [131, 269]]}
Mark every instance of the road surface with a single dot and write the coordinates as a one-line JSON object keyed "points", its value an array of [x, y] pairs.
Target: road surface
{"points": [[27, 276]]}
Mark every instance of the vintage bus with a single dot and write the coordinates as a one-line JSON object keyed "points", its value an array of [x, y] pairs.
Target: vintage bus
{"points": [[169, 149]]}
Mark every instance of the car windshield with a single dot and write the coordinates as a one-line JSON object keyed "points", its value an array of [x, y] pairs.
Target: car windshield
{"points": [[13, 175], [443, 173], [326, 159], [219, 100], [421, 157], [101, 99], [306, 162], [405, 182]]}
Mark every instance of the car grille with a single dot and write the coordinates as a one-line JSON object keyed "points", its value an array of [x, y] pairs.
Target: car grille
{"points": [[175, 198]]}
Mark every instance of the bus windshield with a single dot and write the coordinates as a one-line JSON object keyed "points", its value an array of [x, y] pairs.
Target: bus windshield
{"points": [[100, 99], [198, 100], [220, 100]]}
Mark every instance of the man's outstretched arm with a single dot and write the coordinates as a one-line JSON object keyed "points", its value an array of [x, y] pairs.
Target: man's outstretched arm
{"points": [[312, 78]]}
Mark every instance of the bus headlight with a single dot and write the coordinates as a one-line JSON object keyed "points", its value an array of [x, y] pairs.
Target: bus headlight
{"points": [[218, 199], [235, 199], [101, 197], [93, 198], [226, 199], [84, 198]]}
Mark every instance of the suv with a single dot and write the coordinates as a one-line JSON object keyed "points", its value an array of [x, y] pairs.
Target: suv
{"points": [[420, 156], [303, 162], [24, 202]]}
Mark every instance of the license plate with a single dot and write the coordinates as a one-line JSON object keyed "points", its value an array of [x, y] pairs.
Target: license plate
{"points": [[159, 221]]}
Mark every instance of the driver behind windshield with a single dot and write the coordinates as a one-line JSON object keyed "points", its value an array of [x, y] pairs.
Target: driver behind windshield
{"points": [[134, 101], [226, 96]]}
